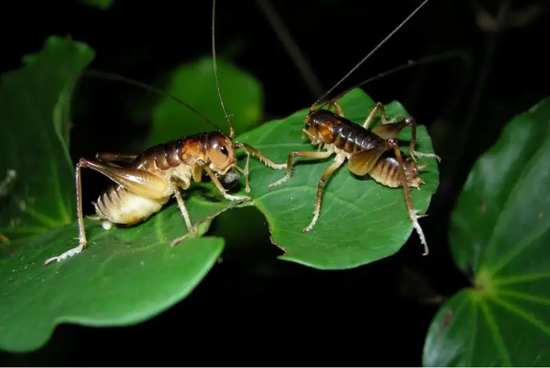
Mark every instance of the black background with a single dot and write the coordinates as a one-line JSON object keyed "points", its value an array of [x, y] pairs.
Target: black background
{"points": [[253, 308]]}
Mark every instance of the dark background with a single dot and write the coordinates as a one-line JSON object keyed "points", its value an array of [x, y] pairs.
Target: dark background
{"points": [[253, 308]]}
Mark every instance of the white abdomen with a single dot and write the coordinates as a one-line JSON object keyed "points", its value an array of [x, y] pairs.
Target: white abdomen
{"points": [[120, 206]]}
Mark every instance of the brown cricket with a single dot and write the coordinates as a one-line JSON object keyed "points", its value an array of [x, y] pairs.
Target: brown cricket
{"points": [[149, 179], [373, 152]]}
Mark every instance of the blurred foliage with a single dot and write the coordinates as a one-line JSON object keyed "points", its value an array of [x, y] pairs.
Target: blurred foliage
{"points": [[194, 83], [100, 4]]}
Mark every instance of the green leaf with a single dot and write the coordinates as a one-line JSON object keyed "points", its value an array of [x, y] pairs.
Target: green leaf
{"points": [[361, 221], [123, 277], [500, 232], [41, 193], [100, 4], [194, 83]]}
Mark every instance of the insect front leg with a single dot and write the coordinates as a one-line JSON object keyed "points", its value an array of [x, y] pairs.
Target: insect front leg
{"points": [[139, 182], [245, 171], [289, 163], [220, 187], [338, 161], [413, 215]]}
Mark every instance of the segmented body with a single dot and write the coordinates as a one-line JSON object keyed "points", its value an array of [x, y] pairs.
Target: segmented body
{"points": [[339, 134], [175, 159]]}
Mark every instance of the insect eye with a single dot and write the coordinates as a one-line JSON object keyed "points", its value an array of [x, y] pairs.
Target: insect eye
{"points": [[223, 150]]}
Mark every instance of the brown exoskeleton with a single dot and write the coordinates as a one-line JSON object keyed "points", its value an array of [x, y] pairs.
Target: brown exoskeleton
{"points": [[151, 178], [374, 152]]}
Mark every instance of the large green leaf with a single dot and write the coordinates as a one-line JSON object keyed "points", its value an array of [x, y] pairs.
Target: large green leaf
{"points": [[361, 221], [500, 233], [124, 276], [194, 83], [32, 99]]}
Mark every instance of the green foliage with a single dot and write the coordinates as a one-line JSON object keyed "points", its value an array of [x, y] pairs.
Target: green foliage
{"points": [[41, 194], [501, 231], [194, 83], [361, 221], [127, 275]]}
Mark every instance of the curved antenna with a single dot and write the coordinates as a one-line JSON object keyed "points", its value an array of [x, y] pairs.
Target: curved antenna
{"points": [[411, 63], [370, 54], [215, 65], [133, 82]]}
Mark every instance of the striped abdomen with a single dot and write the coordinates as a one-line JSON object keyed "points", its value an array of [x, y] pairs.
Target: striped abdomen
{"points": [[120, 206], [330, 128], [386, 171]]}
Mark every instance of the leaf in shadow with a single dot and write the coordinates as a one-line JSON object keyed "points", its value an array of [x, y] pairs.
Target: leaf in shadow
{"points": [[41, 196], [501, 231], [194, 83]]}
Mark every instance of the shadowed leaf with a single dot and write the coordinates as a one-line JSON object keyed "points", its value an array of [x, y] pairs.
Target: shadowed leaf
{"points": [[501, 231]]}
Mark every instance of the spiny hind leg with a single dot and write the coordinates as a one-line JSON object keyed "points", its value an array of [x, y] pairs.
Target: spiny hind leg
{"points": [[138, 181], [289, 164], [338, 161], [413, 214]]}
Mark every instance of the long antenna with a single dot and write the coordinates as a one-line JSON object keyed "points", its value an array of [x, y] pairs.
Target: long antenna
{"points": [[370, 53], [231, 130], [411, 63], [120, 78]]}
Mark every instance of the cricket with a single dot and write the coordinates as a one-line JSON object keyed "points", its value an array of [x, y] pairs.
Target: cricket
{"points": [[148, 180], [374, 152]]}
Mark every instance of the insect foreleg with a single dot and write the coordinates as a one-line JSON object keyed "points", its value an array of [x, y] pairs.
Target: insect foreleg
{"points": [[289, 163], [338, 161], [261, 156], [413, 216], [245, 171], [219, 185]]}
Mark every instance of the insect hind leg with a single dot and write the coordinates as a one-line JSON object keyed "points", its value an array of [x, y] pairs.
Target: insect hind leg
{"points": [[82, 242], [140, 182], [413, 214]]}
